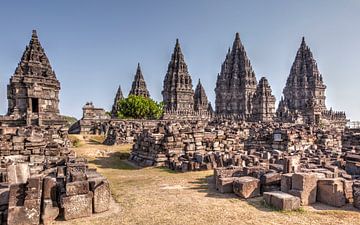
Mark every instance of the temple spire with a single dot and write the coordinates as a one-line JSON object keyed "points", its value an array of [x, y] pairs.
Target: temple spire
{"points": [[200, 99], [236, 83], [34, 61], [139, 85], [115, 108], [304, 92], [178, 93]]}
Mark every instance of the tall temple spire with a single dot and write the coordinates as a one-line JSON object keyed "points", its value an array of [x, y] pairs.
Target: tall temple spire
{"points": [[34, 61], [115, 108], [304, 92], [139, 85], [236, 83], [263, 102], [178, 93], [201, 102]]}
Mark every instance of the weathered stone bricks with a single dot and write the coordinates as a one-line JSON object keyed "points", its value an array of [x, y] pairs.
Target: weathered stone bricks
{"points": [[77, 206], [331, 192], [281, 200], [246, 187], [304, 186]]}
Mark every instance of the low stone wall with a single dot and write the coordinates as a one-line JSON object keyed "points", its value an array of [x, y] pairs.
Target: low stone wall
{"points": [[201, 145], [126, 131], [41, 179]]}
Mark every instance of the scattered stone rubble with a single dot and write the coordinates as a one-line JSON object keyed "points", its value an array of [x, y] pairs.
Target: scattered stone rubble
{"points": [[41, 179], [291, 165], [126, 131]]}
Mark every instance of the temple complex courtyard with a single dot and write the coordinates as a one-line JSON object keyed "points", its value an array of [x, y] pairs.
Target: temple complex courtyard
{"points": [[161, 196]]}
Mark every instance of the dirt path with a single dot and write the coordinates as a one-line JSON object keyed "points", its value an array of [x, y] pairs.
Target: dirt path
{"points": [[159, 196]]}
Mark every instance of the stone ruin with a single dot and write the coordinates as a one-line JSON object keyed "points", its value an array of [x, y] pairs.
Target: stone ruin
{"points": [[180, 100], [41, 179], [291, 165], [94, 121], [33, 92], [139, 86]]}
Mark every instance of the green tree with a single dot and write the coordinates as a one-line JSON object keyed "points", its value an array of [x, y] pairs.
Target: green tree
{"points": [[139, 107]]}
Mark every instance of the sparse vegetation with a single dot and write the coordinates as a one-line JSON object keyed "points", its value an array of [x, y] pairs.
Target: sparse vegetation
{"points": [[75, 141], [70, 120]]}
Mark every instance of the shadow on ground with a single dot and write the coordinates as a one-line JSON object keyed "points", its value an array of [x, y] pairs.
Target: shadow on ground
{"points": [[115, 160]]}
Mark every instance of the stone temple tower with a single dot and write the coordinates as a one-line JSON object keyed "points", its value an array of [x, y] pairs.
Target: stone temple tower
{"points": [[236, 83], [201, 102], [304, 93], [178, 93], [139, 86], [115, 108], [33, 92], [263, 102]]}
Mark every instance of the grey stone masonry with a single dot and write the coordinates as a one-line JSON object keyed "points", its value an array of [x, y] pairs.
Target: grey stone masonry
{"points": [[139, 86], [236, 83], [115, 108], [263, 102], [201, 103], [304, 93], [178, 93], [33, 92]]}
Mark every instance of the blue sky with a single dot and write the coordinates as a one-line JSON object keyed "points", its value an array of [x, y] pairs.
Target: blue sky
{"points": [[94, 46]]}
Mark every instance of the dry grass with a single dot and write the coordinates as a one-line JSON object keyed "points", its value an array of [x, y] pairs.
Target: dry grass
{"points": [[160, 196]]}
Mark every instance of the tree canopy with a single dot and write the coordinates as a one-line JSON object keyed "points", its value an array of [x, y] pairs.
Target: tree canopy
{"points": [[139, 107]]}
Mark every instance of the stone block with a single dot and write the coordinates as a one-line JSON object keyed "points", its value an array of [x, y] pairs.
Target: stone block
{"points": [[29, 213], [286, 182], [356, 194], [102, 197], [304, 186], [76, 206], [246, 187], [281, 200], [49, 188], [77, 188], [331, 192], [4, 196], [50, 211], [270, 178], [225, 184]]}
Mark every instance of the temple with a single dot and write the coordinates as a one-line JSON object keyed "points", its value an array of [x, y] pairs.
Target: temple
{"points": [[178, 93], [236, 83], [33, 92], [139, 86], [263, 102], [201, 103], [304, 93], [115, 108]]}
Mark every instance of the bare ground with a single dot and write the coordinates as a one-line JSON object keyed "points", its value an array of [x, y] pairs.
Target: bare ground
{"points": [[160, 196]]}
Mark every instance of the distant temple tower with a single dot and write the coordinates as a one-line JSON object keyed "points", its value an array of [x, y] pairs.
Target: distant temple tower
{"points": [[139, 86], [263, 102], [115, 108], [304, 93], [178, 95], [236, 83], [201, 103], [33, 92]]}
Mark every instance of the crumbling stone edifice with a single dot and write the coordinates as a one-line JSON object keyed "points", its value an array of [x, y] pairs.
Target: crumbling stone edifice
{"points": [[41, 179], [304, 93], [236, 83], [33, 91], [139, 86]]}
